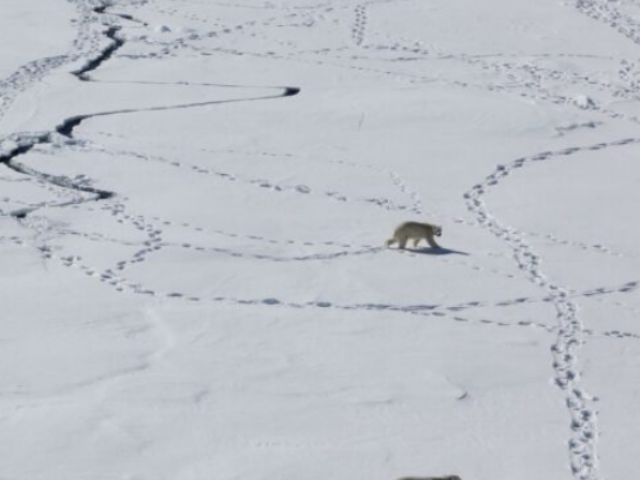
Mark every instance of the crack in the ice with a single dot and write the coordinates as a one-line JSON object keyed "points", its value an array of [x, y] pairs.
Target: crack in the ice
{"points": [[115, 44], [66, 128]]}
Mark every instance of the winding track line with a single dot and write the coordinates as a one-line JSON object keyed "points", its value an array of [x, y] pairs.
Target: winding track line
{"points": [[114, 278], [584, 428]]}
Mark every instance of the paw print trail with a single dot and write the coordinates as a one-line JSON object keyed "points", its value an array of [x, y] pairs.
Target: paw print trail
{"points": [[602, 12], [412, 204], [583, 424]]}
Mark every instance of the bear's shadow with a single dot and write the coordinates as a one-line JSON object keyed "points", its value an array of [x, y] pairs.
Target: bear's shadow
{"points": [[436, 251]]}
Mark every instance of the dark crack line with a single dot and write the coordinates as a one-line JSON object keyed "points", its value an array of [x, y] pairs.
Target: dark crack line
{"points": [[67, 126]]}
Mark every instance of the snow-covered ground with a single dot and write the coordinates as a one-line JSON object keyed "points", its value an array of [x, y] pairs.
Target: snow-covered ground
{"points": [[194, 200]]}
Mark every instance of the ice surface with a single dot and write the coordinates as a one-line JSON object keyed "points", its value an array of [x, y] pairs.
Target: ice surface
{"points": [[194, 200]]}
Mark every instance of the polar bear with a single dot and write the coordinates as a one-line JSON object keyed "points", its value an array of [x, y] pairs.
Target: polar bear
{"points": [[415, 231]]}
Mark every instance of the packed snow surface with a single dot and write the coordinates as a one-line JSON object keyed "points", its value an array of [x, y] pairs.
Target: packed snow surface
{"points": [[194, 201]]}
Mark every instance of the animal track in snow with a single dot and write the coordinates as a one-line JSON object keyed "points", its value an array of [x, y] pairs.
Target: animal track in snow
{"points": [[415, 205], [587, 247], [154, 243], [114, 278], [606, 13], [359, 24], [582, 445]]}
